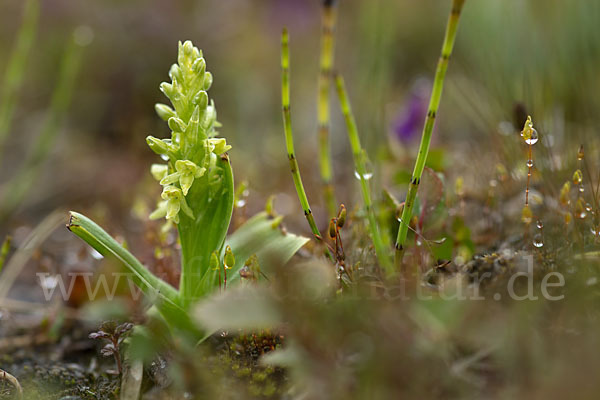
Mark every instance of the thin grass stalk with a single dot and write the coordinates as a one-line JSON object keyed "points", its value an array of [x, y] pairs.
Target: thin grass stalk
{"points": [[434, 102], [16, 68], [359, 157], [19, 259], [4, 249], [328, 22], [17, 188], [289, 138]]}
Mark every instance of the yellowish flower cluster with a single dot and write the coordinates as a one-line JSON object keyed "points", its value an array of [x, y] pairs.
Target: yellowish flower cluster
{"points": [[192, 148]]}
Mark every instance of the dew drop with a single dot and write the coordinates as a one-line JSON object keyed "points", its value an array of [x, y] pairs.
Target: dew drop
{"points": [[540, 224], [529, 163], [538, 240], [164, 157], [595, 231], [366, 175], [588, 207], [532, 137]]}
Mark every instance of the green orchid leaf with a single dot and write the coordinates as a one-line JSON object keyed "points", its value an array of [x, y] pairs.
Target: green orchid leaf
{"points": [[261, 235], [160, 293], [211, 198]]}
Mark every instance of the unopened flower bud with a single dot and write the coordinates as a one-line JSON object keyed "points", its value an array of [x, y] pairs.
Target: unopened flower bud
{"points": [[164, 111], [156, 145], [176, 124], [208, 79]]}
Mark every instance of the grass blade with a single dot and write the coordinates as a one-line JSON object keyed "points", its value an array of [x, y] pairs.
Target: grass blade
{"points": [[24, 252], [4, 251], [261, 235], [16, 68], [360, 166], [16, 189]]}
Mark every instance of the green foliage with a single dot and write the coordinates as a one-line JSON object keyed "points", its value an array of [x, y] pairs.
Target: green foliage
{"points": [[198, 197], [17, 187], [15, 69]]}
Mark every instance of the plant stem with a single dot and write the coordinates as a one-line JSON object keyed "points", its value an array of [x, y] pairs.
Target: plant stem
{"points": [[289, 138], [434, 102], [529, 170], [117, 356], [16, 67], [359, 156], [325, 70]]}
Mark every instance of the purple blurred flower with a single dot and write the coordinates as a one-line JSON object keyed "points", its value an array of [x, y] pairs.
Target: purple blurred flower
{"points": [[409, 122], [296, 15]]}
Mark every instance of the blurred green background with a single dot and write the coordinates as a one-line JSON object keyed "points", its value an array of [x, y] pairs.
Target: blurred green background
{"points": [[540, 54]]}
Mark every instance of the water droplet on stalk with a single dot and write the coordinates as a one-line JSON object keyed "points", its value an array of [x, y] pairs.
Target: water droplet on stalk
{"points": [[538, 240], [529, 163], [366, 175], [164, 157], [532, 137], [540, 224]]}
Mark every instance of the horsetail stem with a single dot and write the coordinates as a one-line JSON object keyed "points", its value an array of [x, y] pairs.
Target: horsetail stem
{"points": [[434, 102], [359, 156], [328, 21], [289, 138]]}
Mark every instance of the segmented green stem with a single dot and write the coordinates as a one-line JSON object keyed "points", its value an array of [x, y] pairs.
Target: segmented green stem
{"points": [[359, 156], [325, 71], [434, 102], [16, 67], [289, 138]]}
